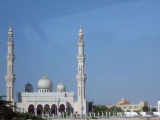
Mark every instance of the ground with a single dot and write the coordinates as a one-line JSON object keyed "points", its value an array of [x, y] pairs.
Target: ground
{"points": [[136, 118]]}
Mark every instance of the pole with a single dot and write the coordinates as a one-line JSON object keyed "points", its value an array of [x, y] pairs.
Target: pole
{"points": [[35, 105], [92, 108], [55, 108], [58, 108]]}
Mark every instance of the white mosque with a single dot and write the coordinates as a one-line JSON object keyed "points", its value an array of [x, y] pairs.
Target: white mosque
{"points": [[45, 99]]}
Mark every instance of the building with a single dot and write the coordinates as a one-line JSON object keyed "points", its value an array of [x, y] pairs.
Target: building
{"points": [[45, 99], [126, 106], [123, 102]]}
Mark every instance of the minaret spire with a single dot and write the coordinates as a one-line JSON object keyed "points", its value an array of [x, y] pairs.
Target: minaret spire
{"points": [[81, 76], [10, 76], [10, 30], [80, 30]]}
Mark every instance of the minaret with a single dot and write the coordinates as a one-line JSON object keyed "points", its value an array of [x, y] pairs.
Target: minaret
{"points": [[81, 76], [10, 76]]}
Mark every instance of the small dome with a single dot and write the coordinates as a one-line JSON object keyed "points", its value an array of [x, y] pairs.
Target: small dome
{"points": [[28, 87], [45, 83], [123, 102], [61, 87]]}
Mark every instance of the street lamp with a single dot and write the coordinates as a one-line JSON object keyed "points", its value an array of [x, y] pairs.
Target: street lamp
{"points": [[58, 103], [55, 108], [113, 110], [58, 100], [150, 109]]}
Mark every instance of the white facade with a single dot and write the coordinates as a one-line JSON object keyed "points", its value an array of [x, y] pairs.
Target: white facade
{"points": [[10, 76], [36, 101], [45, 99], [81, 76]]}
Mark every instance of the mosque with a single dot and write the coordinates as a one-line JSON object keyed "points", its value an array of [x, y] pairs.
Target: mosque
{"points": [[45, 99]]}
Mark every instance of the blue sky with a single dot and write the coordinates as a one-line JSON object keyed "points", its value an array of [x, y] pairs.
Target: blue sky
{"points": [[122, 39]]}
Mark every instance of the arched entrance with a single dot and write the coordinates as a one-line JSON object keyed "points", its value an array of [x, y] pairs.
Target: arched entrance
{"points": [[46, 109], [31, 109], [54, 109], [62, 108], [39, 109]]}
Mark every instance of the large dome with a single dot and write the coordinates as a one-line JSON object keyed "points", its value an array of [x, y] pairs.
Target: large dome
{"points": [[28, 87], [61, 87], [45, 83]]}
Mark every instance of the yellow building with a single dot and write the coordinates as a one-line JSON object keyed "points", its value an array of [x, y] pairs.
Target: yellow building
{"points": [[126, 106]]}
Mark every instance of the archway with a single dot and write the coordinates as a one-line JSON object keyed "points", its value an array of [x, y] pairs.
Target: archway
{"points": [[46, 109], [61, 108], [69, 110], [39, 109], [31, 109], [54, 109]]}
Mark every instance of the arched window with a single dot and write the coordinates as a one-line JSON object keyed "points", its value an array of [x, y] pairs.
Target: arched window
{"points": [[31, 109], [39, 109], [61, 108], [54, 109]]}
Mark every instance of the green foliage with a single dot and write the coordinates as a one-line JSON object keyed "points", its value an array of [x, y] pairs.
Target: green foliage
{"points": [[46, 109], [114, 108], [99, 109], [6, 109], [24, 116], [154, 110], [145, 109], [7, 113], [103, 109]]}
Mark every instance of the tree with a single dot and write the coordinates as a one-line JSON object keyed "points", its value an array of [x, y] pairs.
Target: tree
{"points": [[103, 109], [113, 110], [154, 109], [46, 109], [100, 109], [145, 109], [7, 113], [6, 109]]}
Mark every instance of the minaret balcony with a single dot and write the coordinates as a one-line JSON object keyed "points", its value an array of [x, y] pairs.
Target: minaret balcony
{"points": [[81, 77], [10, 77], [10, 56], [10, 42], [80, 43], [81, 57]]}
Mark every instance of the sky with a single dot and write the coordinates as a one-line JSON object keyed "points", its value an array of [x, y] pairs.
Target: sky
{"points": [[122, 39]]}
